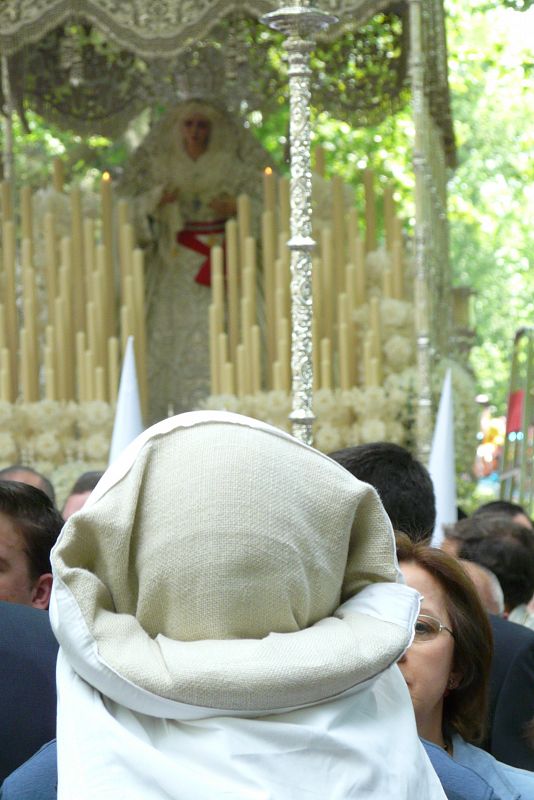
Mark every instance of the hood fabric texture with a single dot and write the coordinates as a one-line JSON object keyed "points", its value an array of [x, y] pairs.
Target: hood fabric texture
{"points": [[227, 584]]}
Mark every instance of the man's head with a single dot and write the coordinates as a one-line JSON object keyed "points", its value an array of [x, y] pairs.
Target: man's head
{"points": [[487, 585], [29, 527], [80, 492], [22, 474], [513, 510], [502, 546], [403, 483]]}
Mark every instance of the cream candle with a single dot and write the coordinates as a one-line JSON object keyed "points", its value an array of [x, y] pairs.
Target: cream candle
{"points": [[51, 262], [370, 211], [233, 288], [269, 190], [214, 351], [113, 368], [326, 363], [58, 174]]}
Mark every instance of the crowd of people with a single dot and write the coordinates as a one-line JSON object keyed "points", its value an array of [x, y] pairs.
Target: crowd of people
{"points": [[234, 614]]}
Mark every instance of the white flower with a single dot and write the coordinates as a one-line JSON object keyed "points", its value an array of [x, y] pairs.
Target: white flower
{"points": [[395, 432], [95, 415], [8, 449], [396, 314], [222, 402], [45, 468], [360, 316], [331, 409], [398, 352], [395, 402], [373, 402], [64, 476], [327, 438], [96, 447], [277, 404], [249, 406], [373, 430], [324, 402], [47, 415], [6, 415], [406, 381], [354, 435], [376, 263], [47, 446], [351, 399]]}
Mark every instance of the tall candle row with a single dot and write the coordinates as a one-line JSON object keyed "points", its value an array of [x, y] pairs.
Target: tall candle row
{"points": [[92, 287], [250, 342]]}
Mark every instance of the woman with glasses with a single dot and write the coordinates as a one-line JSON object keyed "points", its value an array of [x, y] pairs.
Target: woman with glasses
{"points": [[447, 666]]}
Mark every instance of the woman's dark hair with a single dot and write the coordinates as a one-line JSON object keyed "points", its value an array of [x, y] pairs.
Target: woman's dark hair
{"points": [[464, 708]]}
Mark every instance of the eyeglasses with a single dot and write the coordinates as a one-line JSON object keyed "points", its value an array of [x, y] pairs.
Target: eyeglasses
{"points": [[427, 628]]}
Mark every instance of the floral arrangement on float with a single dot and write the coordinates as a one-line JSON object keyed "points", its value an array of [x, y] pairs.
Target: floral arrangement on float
{"points": [[60, 439]]}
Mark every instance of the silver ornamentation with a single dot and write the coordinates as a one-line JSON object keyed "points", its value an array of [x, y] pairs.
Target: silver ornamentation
{"points": [[7, 152], [300, 23]]}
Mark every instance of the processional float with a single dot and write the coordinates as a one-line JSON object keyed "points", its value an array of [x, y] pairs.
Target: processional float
{"points": [[175, 26]]}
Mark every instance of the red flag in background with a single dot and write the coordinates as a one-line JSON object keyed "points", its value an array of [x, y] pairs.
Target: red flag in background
{"points": [[514, 417]]}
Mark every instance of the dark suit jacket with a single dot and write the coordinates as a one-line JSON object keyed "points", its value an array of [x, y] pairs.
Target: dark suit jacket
{"points": [[28, 652], [511, 693]]}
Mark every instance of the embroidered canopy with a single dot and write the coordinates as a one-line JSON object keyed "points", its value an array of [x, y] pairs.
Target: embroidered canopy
{"points": [[99, 62]]}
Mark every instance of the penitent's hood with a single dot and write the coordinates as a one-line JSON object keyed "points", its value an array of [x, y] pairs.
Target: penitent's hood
{"points": [[229, 612]]}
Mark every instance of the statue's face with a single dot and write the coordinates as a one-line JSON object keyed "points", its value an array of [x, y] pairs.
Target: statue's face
{"points": [[196, 132]]}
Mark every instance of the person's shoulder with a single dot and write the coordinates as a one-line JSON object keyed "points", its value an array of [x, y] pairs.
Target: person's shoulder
{"points": [[459, 782], [36, 779], [24, 624], [509, 782], [18, 612]]}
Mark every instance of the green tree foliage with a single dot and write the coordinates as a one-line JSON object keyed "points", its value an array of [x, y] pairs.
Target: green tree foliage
{"points": [[85, 159], [491, 196]]}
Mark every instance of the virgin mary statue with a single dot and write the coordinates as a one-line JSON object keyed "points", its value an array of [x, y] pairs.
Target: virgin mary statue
{"points": [[183, 182]]}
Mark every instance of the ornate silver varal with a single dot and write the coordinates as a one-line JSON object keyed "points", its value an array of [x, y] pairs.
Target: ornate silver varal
{"points": [[7, 152], [432, 270], [300, 23]]}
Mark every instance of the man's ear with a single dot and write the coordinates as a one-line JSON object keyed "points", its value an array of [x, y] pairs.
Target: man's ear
{"points": [[41, 591]]}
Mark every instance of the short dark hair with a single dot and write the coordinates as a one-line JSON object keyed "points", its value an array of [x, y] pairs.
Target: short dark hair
{"points": [[403, 483], [35, 518], [464, 708], [86, 482], [502, 546], [46, 485], [500, 507]]}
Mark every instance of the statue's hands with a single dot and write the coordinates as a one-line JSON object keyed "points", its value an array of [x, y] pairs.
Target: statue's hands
{"points": [[224, 206], [168, 196]]}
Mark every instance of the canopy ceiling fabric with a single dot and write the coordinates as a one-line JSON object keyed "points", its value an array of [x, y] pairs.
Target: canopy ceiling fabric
{"points": [[151, 30], [132, 54]]}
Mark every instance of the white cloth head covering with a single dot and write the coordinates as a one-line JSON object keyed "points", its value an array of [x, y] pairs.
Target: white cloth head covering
{"points": [[222, 581]]}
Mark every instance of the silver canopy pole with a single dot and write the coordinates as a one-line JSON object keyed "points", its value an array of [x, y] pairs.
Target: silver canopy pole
{"points": [[300, 23]]}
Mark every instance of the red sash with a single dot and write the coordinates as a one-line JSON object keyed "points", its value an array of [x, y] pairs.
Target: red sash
{"points": [[188, 237]]}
